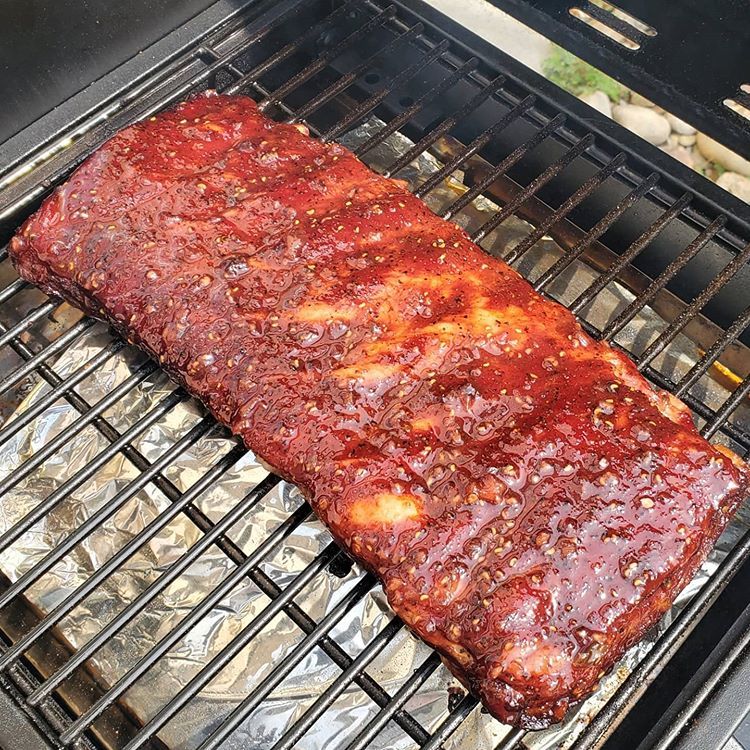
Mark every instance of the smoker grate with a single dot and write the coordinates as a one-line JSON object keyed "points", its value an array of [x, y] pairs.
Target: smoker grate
{"points": [[495, 133]]}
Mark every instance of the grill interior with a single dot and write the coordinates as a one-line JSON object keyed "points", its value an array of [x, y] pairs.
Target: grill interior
{"points": [[617, 235]]}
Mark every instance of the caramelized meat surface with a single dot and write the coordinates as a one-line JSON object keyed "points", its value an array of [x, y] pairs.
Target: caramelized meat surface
{"points": [[530, 503]]}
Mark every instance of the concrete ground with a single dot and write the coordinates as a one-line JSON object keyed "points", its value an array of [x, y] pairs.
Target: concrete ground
{"points": [[499, 28]]}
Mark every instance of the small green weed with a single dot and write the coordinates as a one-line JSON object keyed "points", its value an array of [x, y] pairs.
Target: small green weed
{"points": [[578, 77]]}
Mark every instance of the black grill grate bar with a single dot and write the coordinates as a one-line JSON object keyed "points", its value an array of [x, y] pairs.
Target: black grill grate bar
{"points": [[30, 414], [252, 75], [271, 589], [400, 120], [512, 158], [123, 553], [27, 321], [671, 332], [699, 369], [322, 61], [288, 663], [387, 88], [139, 604], [260, 89], [106, 429], [12, 288], [527, 192], [583, 192], [443, 127], [292, 735], [661, 281], [332, 649], [420, 675], [597, 231], [58, 345], [220, 62], [148, 660], [727, 408], [699, 408], [329, 647], [348, 78], [512, 740], [106, 511], [531, 193], [630, 254], [50, 718], [664, 647], [82, 475], [695, 404], [452, 722], [478, 143], [217, 663]]}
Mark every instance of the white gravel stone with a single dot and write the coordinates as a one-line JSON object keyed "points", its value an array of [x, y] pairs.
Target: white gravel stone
{"points": [[681, 154], [699, 161], [643, 121], [680, 126], [498, 28], [687, 140], [714, 151], [736, 184], [599, 101]]}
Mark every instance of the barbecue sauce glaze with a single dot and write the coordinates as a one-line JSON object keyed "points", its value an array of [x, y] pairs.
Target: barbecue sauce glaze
{"points": [[530, 503]]}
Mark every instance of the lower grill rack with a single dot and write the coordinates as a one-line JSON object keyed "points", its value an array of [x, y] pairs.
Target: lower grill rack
{"points": [[159, 588]]}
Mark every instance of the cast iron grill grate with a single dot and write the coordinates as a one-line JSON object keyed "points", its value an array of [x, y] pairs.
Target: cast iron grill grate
{"points": [[493, 133]]}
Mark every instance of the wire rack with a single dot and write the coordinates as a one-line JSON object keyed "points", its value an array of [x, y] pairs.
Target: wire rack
{"points": [[332, 66]]}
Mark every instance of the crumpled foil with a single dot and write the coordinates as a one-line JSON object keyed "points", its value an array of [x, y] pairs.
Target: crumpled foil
{"points": [[288, 702]]}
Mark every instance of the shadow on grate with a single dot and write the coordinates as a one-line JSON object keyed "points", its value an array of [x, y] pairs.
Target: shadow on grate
{"points": [[191, 598]]}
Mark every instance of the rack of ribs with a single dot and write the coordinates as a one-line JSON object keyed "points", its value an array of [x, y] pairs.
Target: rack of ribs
{"points": [[530, 504]]}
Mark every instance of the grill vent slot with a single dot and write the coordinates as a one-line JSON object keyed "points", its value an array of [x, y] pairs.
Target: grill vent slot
{"points": [[623, 28], [740, 103]]}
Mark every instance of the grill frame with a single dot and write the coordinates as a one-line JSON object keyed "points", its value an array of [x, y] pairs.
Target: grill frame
{"points": [[698, 74], [28, 190]]}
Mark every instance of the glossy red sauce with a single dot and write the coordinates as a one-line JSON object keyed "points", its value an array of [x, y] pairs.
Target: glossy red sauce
{"points": [[531, 505]]}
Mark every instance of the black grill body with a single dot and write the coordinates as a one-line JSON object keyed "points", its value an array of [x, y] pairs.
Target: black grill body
{"points": [[637, 219], [684, 50]]}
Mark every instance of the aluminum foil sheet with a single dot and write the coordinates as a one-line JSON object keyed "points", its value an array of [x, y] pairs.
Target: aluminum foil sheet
{"points": [[245, 600]]}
